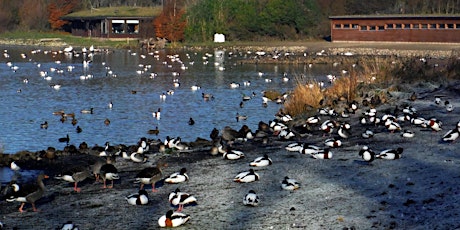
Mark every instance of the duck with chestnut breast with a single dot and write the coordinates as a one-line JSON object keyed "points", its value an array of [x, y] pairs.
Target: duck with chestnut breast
{"points": [[30, 193], [173, 219], [150, 175]]}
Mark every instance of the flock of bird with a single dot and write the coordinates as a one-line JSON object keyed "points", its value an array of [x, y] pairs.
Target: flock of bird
{"points": [[328, 124]]}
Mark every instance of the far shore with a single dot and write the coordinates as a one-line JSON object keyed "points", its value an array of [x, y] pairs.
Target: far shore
{"points": [[437, 50]]}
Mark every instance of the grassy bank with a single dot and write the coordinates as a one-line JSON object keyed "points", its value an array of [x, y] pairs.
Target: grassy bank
{"points": [[61, 39]]}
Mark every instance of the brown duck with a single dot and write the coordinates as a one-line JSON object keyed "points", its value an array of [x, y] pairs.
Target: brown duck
{"points": [[150, 175]]}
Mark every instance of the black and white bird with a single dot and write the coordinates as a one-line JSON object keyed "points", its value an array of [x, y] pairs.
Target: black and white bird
{"points": [[290, 184], [139, 198], [251, 199], [390, 154], [367, 154]]}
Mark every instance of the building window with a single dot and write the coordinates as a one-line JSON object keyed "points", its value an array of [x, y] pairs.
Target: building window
{"points": [[118, 26], [132, 26], [406, 26], [398, 26], [346, 26], [338, 26], [390, 26], [415, 26], [380, 27], [423, 26], [441, 26], [363, 28], [432, 26], [450, 26], [355, 26], [371, 27]]}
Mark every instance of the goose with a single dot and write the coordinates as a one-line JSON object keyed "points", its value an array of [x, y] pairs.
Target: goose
{"points": [[30, 193], [178, 198], [109, 172], [139, 198], [229, 134], [107, 121], [177, 177], [251, 198], [246, 176], [173, 219], [150, 175], [261, 161], [75, 175], [78, 129], [290, 184]]}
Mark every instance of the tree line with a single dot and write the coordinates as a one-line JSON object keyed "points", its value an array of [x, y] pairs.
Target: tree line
{"points": [[198, 20]]}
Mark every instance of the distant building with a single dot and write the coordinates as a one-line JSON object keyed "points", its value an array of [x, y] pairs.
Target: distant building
{"points": [[396, 28], [114, 22]]}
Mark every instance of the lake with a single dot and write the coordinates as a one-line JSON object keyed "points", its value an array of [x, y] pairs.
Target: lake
{"points": [[133, 81]]}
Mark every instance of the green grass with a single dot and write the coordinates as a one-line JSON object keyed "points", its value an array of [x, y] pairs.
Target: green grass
{"points": [[33, 37], [123, 11]]}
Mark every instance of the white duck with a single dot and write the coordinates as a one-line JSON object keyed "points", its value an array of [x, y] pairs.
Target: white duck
{"points": [[261, 161], [178, 198], [246, 176], [251, 199], [173, 219], [139, 198], [290, 184], [177, 177]]}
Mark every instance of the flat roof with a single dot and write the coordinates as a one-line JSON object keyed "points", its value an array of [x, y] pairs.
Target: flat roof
{"points": [[115, 12], [397, 16]]}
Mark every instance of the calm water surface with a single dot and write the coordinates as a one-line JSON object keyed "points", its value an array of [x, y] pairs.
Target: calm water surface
{"points": [[28, 103]]}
